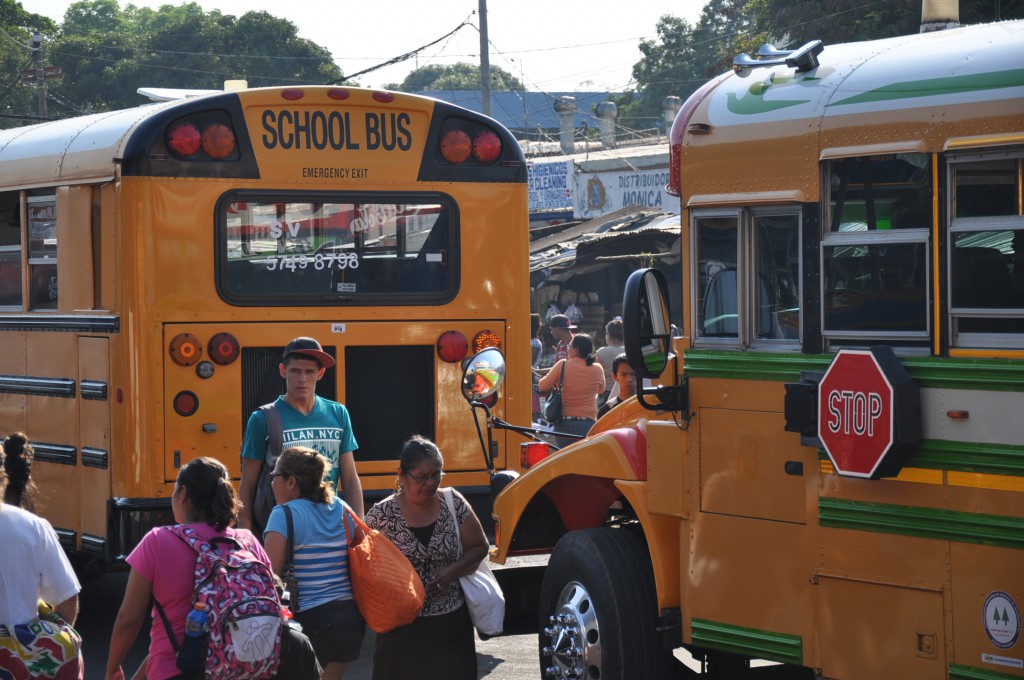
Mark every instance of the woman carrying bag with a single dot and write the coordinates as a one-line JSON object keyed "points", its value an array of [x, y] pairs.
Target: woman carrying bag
{"points": [[582, 381], [320, 536], [440, 642]]}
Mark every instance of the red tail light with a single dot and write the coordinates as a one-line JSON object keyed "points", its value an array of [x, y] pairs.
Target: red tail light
{"points": [[452, 347], [183, 140], [186, 403], [223, 348], [487, 147]]}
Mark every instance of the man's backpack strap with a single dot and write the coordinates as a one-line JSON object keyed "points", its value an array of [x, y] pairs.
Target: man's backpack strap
{"points": [[275, 428]]}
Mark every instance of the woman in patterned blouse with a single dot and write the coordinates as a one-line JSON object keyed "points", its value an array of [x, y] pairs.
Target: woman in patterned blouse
{"points": [[439, 643]]}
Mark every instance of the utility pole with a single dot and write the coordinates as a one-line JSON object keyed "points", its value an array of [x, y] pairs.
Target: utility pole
{"points": [[485, 61], [37, 49]]}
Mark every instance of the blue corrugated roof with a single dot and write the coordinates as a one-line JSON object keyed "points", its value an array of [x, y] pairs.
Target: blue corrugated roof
{"points": [[526, 110]]}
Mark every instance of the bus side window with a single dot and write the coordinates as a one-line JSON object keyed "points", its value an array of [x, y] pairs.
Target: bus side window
{"points": [[756, 307], [874, 253], [10, 249], [42, 251], [986, 253]]}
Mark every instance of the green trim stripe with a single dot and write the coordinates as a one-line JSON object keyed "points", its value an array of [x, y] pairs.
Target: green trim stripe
{"points": [[944, 525], [1006, 375], [947, 86], [958, 672], [752, 642], [990, 459], [982, 458]]}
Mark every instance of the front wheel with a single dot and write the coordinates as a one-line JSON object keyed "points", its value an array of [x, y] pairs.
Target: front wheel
{"points": [[598, 609]]}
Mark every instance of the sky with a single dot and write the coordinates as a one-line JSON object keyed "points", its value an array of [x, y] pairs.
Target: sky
{"points": [[550, 45]]}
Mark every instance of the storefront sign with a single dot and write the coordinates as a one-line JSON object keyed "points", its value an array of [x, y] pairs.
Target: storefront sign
{"points": [[599, 193]]}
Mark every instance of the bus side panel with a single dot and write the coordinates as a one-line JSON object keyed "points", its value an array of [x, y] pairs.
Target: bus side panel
{"points": [[94, 428], [51, 423], [978, 573], [875, 630]]}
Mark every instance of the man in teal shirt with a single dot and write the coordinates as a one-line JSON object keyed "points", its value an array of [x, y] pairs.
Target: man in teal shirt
{"points": [[308, 420]]}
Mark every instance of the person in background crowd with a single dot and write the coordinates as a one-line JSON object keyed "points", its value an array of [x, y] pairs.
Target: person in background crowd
{"points": [[33, 567], [606, 355], [163, 567], [439, 644], [625, 379], [536, 346], [561, 329], [584, 380], [325, 607], [536, 351], [21, 490]]}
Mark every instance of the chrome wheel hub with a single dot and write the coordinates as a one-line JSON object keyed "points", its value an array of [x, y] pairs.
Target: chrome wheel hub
{"points": [[572, 638]]}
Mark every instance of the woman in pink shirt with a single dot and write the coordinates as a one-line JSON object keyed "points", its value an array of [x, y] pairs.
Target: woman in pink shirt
{"points": [[583, 381], [162, 567]]}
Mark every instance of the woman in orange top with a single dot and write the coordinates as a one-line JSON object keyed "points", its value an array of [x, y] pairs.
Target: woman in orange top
{"points": [[584, 380]]}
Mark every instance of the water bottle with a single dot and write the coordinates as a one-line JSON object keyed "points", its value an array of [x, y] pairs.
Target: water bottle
{"points": [[193, 648]]}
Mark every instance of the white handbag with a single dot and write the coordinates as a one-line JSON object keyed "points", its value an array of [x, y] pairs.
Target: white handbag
{"points": [[483, 595]]}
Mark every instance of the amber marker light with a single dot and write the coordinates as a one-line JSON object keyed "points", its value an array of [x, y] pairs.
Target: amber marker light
{"points": [[185, 349], [218, 141], [456, 146], [485, 339]]}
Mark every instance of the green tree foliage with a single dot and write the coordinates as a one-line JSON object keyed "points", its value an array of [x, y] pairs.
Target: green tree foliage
{"points": [[107, 53], [17, 101], [791, 23], [682, 58], [459, 76]]}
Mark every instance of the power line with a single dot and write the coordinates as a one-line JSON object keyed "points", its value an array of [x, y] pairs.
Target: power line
{"points": [[402, 57]]}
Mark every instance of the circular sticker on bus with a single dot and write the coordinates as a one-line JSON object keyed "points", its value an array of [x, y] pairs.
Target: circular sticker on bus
{"points": [[1001, 620]]}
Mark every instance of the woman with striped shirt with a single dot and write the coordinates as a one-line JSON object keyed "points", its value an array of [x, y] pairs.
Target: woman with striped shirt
{"points": [[325, 607]]}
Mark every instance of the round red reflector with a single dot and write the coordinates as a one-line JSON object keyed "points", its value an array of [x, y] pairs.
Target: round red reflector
{"points": [[455, 146], [485, 339], [185, 349], [335, 93], [383, 97], [452, 347], [183, 140], [490, 401], [223, 348], [291, 94], [186, 403], [486, 147], [218, 141]]}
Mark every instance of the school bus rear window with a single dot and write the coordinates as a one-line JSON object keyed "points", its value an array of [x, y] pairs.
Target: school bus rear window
{"points": [[338, 250]]}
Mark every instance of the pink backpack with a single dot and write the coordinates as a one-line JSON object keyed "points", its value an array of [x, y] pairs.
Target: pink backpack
{"points": [[244, 611]]}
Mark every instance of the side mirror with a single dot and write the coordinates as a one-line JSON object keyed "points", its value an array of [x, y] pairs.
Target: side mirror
{"points": [[483, 374], [645, 320]]}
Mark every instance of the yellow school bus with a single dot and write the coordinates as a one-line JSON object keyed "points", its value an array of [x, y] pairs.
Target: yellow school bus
{"points": [[155, 261], [829, 470]]}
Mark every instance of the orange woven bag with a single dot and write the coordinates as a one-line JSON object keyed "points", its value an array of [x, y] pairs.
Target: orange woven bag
{"points": [[386, 587]]}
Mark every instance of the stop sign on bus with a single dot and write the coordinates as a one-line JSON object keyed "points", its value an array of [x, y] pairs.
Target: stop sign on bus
{"points": [[869, 413]]}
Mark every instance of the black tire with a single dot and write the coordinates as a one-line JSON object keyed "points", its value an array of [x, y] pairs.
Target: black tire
{"points": [[598, 609]]}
